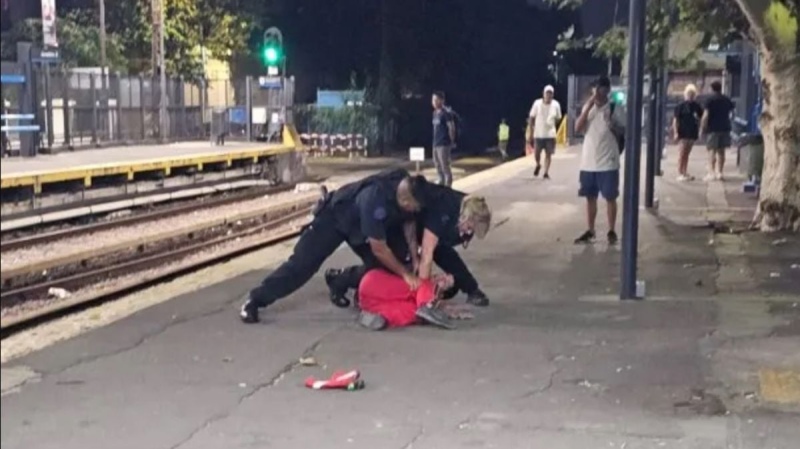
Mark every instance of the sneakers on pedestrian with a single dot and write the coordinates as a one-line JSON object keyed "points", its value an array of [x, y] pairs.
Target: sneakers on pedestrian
{"points": [[537, 170], [546, 176], [435, 317], [478, 298], [682, 178], [586, 237], [612, 238], [249, 311], [718, 176], [336, 291], [372, 321]]}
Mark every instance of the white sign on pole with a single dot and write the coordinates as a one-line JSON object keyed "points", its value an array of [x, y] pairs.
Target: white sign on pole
{"points": [[416, 154], [49, 39]]}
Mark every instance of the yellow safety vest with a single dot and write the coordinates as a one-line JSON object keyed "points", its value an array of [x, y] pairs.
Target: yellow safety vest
{"points": [[502, 132]]}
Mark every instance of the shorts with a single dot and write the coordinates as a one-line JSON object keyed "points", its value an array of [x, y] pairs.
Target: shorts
{"points": [[718, 141], [605, 183], [549, 145]]}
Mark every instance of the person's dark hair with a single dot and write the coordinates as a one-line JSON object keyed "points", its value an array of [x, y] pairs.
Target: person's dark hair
{"points": [[603, 81], [716, 86], [417, 185], [439, 94]]}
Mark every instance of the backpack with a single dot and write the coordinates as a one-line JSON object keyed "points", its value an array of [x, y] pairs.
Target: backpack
{"points": [[617, 130], [459, 122]]}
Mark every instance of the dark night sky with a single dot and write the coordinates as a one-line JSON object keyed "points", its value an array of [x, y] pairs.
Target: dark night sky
{"points": [[490, 57]]}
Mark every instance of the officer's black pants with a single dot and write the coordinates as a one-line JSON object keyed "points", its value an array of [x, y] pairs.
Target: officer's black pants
{"points": [[316, 243]]}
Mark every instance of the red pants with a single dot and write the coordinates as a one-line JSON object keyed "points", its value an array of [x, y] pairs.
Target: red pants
{"points": [[388, 295]]}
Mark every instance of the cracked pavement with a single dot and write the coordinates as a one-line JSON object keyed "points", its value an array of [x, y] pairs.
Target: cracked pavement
{"points": [[552, 363]]}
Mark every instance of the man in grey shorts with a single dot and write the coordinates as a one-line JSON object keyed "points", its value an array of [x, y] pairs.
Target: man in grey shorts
{"points": [[444, 139], [544, 117], [716, 124]]}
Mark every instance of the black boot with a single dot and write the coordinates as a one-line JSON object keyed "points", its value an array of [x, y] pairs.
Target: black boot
{"points": [[249, 311], [337, 287], [478, 298]]}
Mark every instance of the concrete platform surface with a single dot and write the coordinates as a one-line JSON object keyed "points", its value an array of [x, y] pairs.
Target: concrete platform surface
{"points": [[122, 154], [555, 362]]}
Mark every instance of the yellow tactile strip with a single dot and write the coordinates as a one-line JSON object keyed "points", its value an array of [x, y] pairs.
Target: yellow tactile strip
{"points": [[781, 386]]}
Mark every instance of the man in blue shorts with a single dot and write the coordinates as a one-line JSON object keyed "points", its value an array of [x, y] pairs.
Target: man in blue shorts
{"points": [[599, 159]]}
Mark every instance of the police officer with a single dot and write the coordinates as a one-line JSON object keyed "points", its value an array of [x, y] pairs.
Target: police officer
{"points": [[358, 213], [450, 218]]}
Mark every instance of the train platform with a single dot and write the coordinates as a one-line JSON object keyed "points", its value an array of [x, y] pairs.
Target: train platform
{"points": [[87, 165], [707, 361]]}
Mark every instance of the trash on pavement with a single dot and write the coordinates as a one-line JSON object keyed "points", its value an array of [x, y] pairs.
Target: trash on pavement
{"points": [[339, 380], [308, 361], [58, 292]]}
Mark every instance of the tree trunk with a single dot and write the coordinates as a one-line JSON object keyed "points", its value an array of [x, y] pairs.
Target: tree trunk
{"points": [[386, 76], [779, 201]]}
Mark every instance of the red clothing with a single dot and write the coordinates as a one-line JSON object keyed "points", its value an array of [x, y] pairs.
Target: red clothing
{"points": [[388, 295]]}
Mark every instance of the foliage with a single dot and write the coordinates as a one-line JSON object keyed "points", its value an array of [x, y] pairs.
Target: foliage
{"points": [[224, 27], [719, 21], [79, 40]]}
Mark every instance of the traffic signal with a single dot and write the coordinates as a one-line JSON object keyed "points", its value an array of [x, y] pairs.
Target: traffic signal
{"points": [[618, 97], [272, 54]]}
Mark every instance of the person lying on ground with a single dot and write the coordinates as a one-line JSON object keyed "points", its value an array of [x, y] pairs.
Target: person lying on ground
{"points": [[387, 301]]}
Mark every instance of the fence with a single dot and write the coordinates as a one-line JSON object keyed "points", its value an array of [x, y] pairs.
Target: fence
{"points": [[328, 131], [82, 108]]}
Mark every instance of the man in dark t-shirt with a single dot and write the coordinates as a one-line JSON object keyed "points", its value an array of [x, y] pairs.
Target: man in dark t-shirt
{"points": [[444, 136], [716, 124]]}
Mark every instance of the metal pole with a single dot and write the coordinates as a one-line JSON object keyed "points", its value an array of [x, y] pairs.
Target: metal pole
{"points": [[93, 86], [660, 118], [67, 109], [248, 104], [163, 57], [102, 13], [118, 122], [630, 208], [652, 125], [48, 104]]}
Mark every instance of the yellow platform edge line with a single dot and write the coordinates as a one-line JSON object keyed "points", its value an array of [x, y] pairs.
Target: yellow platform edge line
{"points": [[34, 178]]}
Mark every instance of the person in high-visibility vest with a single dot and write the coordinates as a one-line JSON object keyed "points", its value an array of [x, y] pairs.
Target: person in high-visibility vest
{"points": [[502, 138]]}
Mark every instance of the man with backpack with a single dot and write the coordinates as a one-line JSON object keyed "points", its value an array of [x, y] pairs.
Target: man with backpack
{"points": [[602, 144], [444, 138]]}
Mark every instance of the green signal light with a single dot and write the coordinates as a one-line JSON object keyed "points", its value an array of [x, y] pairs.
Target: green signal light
{"points": [[271, 55], [618, 97]]}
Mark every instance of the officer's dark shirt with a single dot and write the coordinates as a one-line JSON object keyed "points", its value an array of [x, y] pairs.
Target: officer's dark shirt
{"points": [[441, 130], [365, 209], [719, 109], [442, 212]]}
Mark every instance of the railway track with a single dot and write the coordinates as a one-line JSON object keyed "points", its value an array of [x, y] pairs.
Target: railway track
{"points": [[26, 239], [161, 257]]}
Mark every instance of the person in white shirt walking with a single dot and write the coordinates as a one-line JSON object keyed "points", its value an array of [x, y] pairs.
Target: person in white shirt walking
{"points": [[600, 157], [543, 118]]}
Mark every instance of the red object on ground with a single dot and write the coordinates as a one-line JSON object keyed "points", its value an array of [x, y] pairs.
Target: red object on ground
{"points": [[339, 379], [388, 295]]}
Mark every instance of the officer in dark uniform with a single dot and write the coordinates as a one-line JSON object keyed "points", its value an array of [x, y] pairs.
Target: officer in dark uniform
{"points": [[450, 218], [360, 214]]}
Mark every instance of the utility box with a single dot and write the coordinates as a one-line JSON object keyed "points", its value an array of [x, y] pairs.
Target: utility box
{"points": [[751, 156]]}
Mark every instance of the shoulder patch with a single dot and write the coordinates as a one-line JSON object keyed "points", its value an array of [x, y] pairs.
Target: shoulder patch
{"points": [[379, 213]]}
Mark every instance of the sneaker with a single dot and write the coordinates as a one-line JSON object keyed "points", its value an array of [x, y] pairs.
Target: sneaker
{"points": [[612, 238], [537, 170], [337, 293], [372, 321], [718, 176], [690, 177], [435, 317], [586, 237], [546, 176], [478, 298], [681, 178], [249, 311]]}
